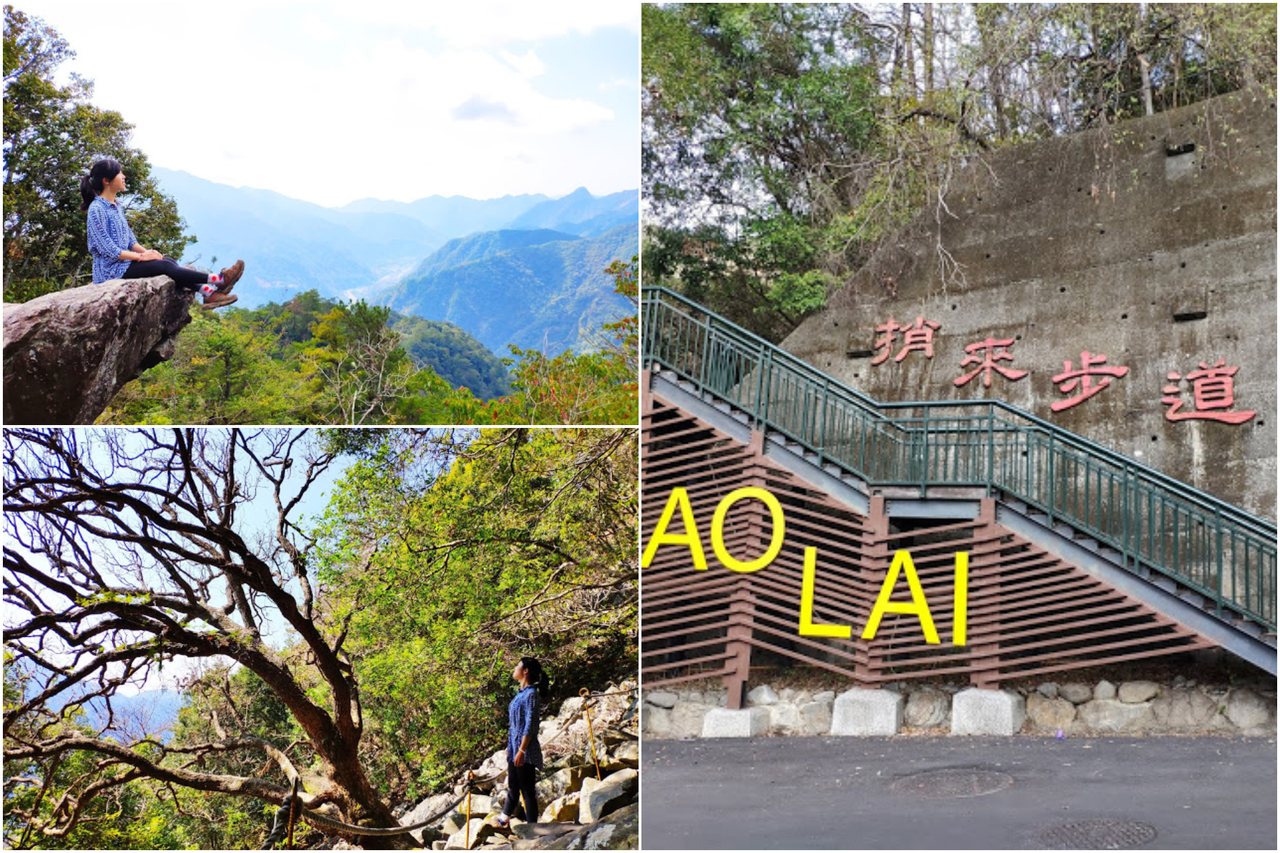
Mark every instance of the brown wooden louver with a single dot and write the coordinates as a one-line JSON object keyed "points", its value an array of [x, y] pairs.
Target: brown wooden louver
{"points": [[1029, 612]]}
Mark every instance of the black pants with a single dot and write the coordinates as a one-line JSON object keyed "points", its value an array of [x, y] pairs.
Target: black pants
{"points": [[185, 277], [520, 781]]}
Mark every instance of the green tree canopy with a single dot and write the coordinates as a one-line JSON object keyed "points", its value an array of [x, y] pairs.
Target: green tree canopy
{"points": [[52, 135]]}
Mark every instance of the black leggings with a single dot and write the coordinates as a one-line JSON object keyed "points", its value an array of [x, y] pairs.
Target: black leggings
{"points": [[186, 278], [520, 780]]}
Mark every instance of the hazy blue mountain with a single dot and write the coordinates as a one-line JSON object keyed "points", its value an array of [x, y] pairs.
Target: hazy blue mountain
{"points": [[453, 216], [549, 296], [151, 712], [288, 245], [506, 270], [474, 247], [582, 213]]}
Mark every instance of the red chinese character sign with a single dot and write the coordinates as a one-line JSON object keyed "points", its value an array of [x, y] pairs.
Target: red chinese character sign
{"points": [[1212, 394], [918, 337], [993, 351], [1081, 380]]}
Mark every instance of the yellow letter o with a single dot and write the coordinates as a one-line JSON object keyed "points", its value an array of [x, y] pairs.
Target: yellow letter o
{"points": [[717, 530]]}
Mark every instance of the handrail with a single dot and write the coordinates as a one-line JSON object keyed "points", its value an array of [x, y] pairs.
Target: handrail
{"points": [[1153, 520]]}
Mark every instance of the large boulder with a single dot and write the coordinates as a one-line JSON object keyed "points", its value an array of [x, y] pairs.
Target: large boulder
{"points": [[66, 354], [596, 797], [1051, 714], [1112, 715], [1248, 710], [620, 830], [1183, 708], [926, 707]]}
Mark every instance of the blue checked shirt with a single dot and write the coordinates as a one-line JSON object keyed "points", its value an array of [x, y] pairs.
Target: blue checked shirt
{"points": [[522, 716], [109, 235]]}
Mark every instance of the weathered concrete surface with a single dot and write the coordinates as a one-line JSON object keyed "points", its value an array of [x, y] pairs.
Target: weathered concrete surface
{"points": [[746, 722], [66, 354], [1101, 242], [987, 712], [867, 713]]}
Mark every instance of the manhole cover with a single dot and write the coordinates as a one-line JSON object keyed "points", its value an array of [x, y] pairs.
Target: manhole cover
{"points": [[952, 782], [1102, 834]]}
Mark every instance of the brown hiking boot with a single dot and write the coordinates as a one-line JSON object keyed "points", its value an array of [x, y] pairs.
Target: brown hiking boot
{"points": [[230, 276], [217, 300]]}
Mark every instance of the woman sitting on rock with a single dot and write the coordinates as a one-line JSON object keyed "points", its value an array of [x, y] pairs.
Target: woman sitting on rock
{"points": [[118, 254], [524, 753]]}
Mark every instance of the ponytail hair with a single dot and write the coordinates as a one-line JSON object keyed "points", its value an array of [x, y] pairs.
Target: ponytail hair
{"points": [[105, 169], [537, 678]]}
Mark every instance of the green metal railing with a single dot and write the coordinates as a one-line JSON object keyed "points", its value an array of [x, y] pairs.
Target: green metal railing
{"points": [[1154, 521]]}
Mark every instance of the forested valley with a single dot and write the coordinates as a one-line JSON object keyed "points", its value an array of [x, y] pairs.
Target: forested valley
{"points": [[336, 607], [309, 360]]}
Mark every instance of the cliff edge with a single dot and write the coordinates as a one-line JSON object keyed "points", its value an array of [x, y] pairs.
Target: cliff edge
{"points": [[66, 354]]}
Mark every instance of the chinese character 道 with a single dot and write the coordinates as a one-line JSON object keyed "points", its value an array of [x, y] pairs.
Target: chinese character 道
{"points": [[1212, 393]]}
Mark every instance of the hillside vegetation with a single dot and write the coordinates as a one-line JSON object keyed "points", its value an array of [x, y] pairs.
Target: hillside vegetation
{"points": [[543, 296]]}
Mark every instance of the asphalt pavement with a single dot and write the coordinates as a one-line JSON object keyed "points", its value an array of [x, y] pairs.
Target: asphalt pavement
{"points": [[959, 793]]}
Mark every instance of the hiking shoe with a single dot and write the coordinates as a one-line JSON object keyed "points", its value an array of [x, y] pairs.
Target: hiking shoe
{"points": [[230, 276], [217, 300]]}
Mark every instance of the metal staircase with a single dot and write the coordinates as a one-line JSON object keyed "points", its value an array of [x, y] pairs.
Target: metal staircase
{"points": [[1196, 559]]}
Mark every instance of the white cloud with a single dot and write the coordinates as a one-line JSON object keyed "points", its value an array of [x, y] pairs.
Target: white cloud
{"points": [[376, 111], [528, 65]]}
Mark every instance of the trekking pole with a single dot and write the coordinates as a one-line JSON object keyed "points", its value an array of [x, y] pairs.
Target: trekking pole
{"points": [[471, 775], [586, 709], [293, 803]]}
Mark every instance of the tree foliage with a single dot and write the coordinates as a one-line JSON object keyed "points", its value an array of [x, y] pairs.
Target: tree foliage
{"points": [[52, 135], [524, 545], [784, 144], [367, 656]]}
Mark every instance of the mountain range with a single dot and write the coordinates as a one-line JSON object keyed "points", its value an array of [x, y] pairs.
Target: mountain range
{"points": [[409, 254], [544, 289]]}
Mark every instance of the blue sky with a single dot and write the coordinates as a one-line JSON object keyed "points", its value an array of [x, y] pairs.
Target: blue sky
{"points": [[334, 102]]}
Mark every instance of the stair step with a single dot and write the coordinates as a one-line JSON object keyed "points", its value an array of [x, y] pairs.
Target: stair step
{"points": [[1246, 626], [1192, 597]]}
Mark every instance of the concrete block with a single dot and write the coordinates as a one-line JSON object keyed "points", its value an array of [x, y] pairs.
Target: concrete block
{"points": [[867, 713], [747, 722], [987, 712]]}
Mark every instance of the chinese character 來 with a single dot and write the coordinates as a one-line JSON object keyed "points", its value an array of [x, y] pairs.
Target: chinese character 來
{"points": [[993, 351]]}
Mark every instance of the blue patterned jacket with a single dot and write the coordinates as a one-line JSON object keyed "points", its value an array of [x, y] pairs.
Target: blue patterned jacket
{"points": [[109, 235], [522, 715]]}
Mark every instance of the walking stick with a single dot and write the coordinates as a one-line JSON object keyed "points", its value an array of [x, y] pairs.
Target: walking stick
{"points": [[471, 775], [586, 709], [293, 803]]}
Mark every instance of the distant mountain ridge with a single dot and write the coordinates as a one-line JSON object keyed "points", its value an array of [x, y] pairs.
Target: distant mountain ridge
{"points": [[553, 295], [506, 270], [474, 247]]}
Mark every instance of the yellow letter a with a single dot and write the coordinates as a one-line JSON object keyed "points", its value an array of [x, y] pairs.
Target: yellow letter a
{"points": [[917, 605], [679, 499]]}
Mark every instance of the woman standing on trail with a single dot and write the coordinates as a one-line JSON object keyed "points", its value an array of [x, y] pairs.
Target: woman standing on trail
{"points": [[524, 753], [118, 254]]}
